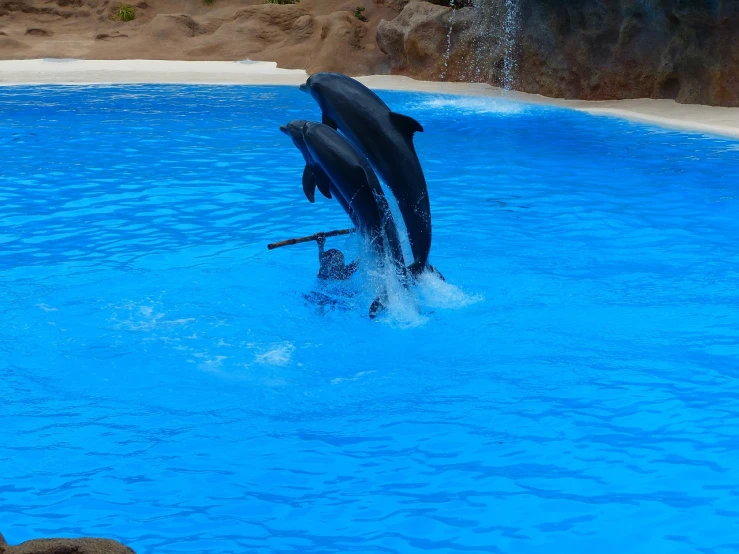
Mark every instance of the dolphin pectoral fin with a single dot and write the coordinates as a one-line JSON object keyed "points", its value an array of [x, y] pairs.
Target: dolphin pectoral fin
{"points": [[309, 184], [322, 181], [326, 120], [405, 124]]}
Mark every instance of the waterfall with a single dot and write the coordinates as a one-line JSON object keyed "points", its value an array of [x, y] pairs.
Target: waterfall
{"points": [[490, 39], [486, 34], [448, 52], [510, 51]]}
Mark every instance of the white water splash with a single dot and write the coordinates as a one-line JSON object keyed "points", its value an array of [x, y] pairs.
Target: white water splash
{"points": [[355, 377], [437, 293], [406, 307], [472, 105], [401, 305], [277, 355], [144, 318], [259, 369]]}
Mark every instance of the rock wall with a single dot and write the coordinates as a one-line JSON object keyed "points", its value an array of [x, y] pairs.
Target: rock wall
{"points": [[316, 35], [687, 50], [65, 546], [589, 49]]}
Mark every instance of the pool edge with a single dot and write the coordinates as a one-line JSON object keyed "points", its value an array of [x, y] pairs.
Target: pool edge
{"points": [[664, 113]]}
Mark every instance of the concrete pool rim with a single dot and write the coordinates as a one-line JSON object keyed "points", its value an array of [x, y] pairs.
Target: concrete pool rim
{"points": [[669, 114]]}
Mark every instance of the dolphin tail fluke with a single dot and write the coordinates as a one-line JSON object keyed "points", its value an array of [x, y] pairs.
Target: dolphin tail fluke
{"points": [[435, 271], [416, 268]]}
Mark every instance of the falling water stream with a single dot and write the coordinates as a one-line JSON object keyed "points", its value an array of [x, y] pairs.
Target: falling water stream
{"points": [[495, 28], [510, 64], [448, 52]]}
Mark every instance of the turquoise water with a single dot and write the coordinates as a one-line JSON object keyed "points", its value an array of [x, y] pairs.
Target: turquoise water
{"points": [[165, 382]]}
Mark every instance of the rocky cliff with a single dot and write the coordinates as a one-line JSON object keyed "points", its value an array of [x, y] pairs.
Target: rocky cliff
{"points": [[589, 49], [65, 546], [687, 50], [316, 35]]}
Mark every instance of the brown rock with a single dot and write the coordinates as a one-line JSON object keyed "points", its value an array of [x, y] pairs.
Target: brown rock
{"points": [[591, 49], [415, 41], [37, 32], [419, 43], [65, 546], [8, 44], [687, 50], [314, 35], [173, 27]]}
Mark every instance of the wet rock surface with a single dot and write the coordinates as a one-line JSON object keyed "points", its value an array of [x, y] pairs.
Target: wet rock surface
{"points": [[65, 546], [687, 50]]}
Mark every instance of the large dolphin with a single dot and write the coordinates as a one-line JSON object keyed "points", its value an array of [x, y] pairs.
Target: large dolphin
{"points": [[386, 138], [313, 174], [353, 177]]}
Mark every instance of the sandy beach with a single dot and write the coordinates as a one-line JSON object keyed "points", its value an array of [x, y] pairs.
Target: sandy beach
{"points": [[665, 113]]}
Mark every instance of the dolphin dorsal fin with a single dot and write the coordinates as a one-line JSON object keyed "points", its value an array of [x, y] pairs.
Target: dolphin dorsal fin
{"points": [[405, 124], [326, 120]]}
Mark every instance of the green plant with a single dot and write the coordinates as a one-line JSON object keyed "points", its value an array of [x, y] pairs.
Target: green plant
{"points": [[359, 15], [208, 2], [124, 13], [282, 1]]}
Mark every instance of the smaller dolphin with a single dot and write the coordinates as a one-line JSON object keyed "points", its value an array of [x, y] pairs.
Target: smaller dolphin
{"points": [[353, 177], [313, 174]]}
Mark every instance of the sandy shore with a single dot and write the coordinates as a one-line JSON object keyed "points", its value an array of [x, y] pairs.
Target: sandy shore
{"points": [[666, 113]]}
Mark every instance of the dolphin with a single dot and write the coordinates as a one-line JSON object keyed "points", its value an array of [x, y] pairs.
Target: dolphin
{"points": [[313, 175], [354, 179], [386, 138]]}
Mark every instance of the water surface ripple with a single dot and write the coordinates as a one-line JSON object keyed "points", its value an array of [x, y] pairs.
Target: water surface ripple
{"points": [[166, 383]]}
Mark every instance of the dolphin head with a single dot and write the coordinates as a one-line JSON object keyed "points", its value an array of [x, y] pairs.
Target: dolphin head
{"points": [[305, 87], [294, 129], [307, 126], [319, 85]]}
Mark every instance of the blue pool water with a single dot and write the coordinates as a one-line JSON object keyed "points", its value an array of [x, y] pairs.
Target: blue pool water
{"points": [[165, 382]]}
